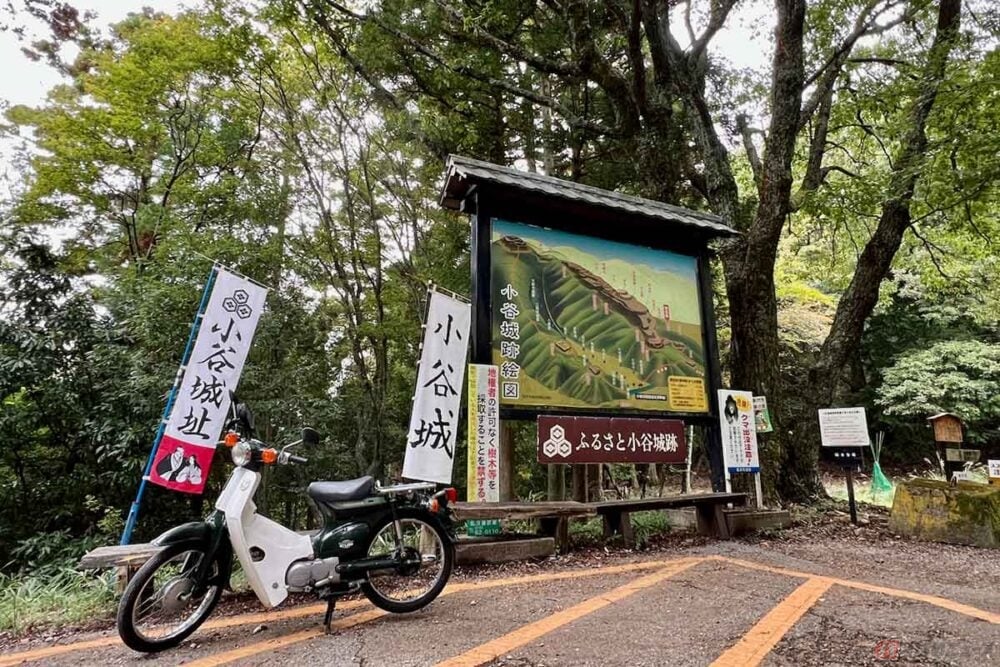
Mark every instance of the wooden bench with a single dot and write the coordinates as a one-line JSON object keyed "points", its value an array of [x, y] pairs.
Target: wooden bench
{"points": [[709, 508], [553, 516], [126, 559]]}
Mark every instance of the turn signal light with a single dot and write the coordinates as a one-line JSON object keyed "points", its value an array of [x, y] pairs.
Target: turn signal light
{"points": [[434, 506], [269, 456], [451, 495], [232, 437]]}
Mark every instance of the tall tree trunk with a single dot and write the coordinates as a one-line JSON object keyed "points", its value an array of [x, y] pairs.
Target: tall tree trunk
{"points": [[858, 302], [833, 375], [749, 263]]}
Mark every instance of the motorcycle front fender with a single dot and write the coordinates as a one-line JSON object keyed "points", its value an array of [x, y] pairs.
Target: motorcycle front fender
{"points": [[210, 536], [194, 531]]}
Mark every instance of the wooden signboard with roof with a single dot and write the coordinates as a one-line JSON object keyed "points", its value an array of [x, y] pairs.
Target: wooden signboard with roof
{"points": [[947, 428], [590, 302]]}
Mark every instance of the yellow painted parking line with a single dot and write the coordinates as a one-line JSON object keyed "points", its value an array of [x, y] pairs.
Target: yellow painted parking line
{"points": [[285, 640], [525, 634], [213, 624], [358, 619], [9, 659], [935, 600], [51, 651], [944, 603], [762, 637]]}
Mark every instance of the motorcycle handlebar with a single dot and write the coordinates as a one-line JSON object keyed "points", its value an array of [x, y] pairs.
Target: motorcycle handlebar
{"points": [[297, 459]]}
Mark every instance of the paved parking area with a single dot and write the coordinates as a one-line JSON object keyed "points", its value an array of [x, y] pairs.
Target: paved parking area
{"points": [[723, 604]]}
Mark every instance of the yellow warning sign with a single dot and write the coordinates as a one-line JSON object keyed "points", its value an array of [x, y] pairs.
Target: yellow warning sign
{"points": [[687, 394]]}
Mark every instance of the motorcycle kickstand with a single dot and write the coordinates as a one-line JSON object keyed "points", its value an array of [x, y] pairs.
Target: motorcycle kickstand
{"points": [[331, 603]]}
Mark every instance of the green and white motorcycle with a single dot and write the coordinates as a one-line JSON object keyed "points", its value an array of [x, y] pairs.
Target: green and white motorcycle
{"points": [[395, 544]]}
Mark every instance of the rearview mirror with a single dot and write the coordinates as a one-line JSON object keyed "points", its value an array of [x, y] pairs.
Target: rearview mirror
{"points": [[310, 436], [244, 417]]}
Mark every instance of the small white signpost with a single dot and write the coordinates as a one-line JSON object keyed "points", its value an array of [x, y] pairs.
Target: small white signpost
{"points": [[739, 437], [430, 445], [993, 467], [845, 428]]}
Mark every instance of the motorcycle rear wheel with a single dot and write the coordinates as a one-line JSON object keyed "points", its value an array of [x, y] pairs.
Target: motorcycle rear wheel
{"points": [[409, 588], [157, 610]]}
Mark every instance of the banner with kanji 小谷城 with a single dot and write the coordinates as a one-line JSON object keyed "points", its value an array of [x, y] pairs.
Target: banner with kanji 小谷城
{"points": [[430, 450], [201, 405]]}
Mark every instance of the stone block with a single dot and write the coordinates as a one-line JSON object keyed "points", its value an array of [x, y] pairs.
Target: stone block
{"points": [[934, 510]]}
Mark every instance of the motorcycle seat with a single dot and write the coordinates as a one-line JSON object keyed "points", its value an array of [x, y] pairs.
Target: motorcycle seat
{"points": [[332, 492]]}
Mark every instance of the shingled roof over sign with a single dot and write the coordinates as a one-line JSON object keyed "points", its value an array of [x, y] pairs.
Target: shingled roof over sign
{"points": [[463, 173]]}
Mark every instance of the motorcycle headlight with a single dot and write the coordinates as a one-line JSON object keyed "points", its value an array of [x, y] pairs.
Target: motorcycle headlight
{"points": [[242, 452]]}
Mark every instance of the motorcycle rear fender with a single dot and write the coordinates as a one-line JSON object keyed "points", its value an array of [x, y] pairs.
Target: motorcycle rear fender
{"points": [[444, 520], [209, 535]]}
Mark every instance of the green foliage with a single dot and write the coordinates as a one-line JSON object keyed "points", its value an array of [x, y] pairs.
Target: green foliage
{"points": [[586, 531], [175, 140], [647, 525], [56, 598], [950, 376]]}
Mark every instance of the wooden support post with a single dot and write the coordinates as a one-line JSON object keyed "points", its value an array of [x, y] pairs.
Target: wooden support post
{"points": [[594, 485], [553, 473], [853, 506], [578, 474]]}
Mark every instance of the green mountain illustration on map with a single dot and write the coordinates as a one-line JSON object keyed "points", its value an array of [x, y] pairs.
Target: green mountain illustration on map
{"points": [[585, 342]]}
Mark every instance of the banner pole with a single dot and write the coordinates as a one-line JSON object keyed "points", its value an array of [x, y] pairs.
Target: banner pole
{"points": [[133, 512]]}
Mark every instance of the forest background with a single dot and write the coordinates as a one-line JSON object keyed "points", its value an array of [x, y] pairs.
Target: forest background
{"points": [[303, 143]]}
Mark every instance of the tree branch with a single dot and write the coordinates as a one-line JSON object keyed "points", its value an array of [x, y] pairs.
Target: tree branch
{"points": [[747, 134], [716, 20], [859, 300], [864, 25], [477, 37], [474, 74]]}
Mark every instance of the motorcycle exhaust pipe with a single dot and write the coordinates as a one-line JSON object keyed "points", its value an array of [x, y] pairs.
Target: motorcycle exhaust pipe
{"points": [[362, 566]]}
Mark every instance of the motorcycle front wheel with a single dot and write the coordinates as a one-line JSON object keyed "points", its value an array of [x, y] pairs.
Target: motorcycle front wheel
{"points": [[428, 557], [161, 606]]}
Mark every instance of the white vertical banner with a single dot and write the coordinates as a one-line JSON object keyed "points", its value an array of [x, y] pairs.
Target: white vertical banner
{"points": [[484, 434], [430, 450], [739, 433], [201, 406]]}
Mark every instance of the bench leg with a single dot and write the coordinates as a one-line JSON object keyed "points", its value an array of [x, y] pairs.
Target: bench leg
{"points": [[620, 523], [712, 521], [558, 529], [721, 523], [612, 524], [706, 519], [628, 535], [123, 575]]}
